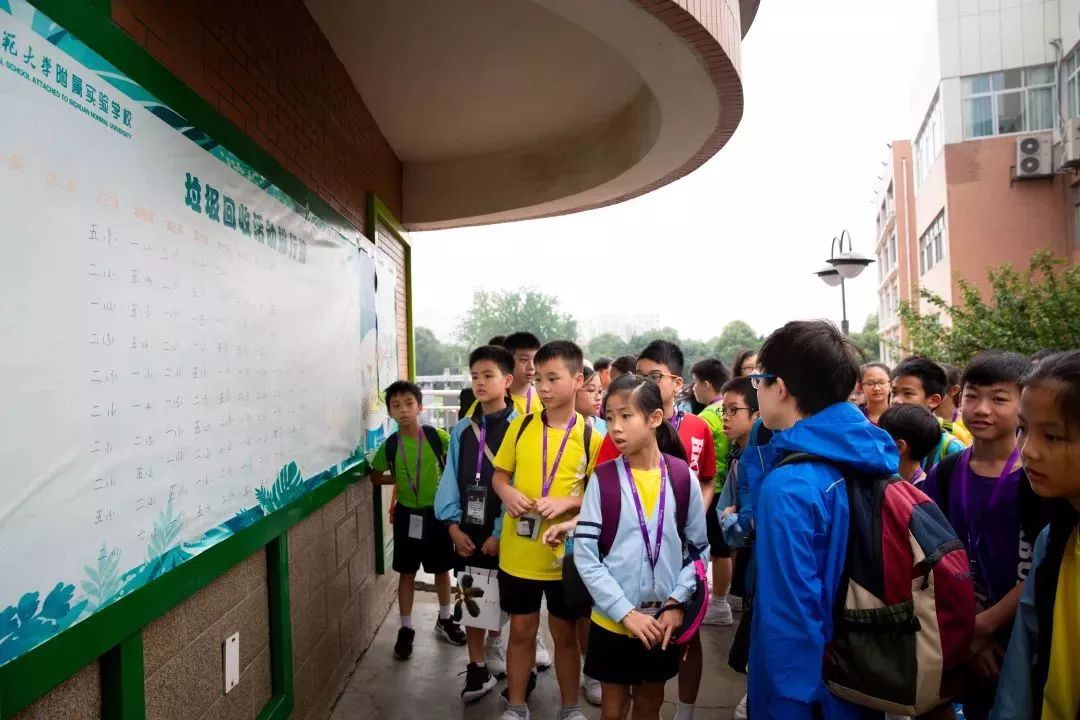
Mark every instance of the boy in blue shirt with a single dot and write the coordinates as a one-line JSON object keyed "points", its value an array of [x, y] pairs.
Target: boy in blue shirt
{"points": [[920, 381]]}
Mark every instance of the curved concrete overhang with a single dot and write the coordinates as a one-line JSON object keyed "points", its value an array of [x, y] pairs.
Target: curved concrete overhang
{"points": [[519, 109]]}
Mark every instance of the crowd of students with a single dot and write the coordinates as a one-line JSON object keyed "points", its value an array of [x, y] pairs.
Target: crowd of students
{"points": [[601, 491]]}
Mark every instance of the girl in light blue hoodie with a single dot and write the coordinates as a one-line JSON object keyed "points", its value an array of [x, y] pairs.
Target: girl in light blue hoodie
{"points": [[639, 585]]}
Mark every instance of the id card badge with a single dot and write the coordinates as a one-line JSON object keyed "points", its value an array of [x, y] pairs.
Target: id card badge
{"points": [[416, 527], [475, 505], [528, 526]]}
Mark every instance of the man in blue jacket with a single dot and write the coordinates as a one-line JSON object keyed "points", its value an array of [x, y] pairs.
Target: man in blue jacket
{"points": [[806, 371]]}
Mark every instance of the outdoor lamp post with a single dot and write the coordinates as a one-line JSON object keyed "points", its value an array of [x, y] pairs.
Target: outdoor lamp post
{"points": [[845, 266]]}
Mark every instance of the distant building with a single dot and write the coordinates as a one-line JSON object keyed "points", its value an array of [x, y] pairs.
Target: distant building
{"points": [[983, 183], [625, 326]]}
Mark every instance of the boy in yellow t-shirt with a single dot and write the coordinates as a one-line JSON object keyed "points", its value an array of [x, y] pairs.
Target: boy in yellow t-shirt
{"points": [[523, 346], [540, 473]]}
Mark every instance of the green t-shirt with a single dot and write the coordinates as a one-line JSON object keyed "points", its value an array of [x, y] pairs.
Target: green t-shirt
{"points": [[713, 416], [405, 469]]}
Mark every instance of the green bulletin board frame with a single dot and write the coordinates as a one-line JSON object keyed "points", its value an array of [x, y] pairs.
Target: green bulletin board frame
{"points": [[114, 634]]}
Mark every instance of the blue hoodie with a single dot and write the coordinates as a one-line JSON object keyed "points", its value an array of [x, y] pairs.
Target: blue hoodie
{"points": [[801, 519]]}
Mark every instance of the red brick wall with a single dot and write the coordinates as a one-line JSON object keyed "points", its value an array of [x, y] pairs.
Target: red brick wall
{"points": [[268, 69]]}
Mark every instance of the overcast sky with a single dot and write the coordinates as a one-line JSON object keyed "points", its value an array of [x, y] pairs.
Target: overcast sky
{"points": [[827, 85]]}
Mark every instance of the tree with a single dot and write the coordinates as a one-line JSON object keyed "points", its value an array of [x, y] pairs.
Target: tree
{"points": [[433, 356], [607, 345], [869, 340], [504, 312], [736, 335], [1025, 312]]}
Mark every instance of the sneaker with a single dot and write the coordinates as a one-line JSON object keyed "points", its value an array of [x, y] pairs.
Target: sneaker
{"points": [[592, 690], [509, 714], [719, 613], [528, 688], [478, 683], [403, 646], [574, 714], [740, 710], [543, 657], [496, 657], [449, 631], [735, 602]]}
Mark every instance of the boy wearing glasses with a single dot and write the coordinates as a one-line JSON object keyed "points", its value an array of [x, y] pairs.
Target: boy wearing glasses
{"points": [[709, 378], [801, 515], [662, 362]]}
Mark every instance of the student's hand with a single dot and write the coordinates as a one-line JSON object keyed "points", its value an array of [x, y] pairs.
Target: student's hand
{"points": [[983, 636], [730, 510], [491, 546], [550, 507], [462, 542], [988, 662], [517, 503], [556, 534], [670, 621], [645, 628]]}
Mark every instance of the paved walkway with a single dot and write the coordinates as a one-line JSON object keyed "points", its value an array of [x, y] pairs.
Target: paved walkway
{"points": [[428, 686]]}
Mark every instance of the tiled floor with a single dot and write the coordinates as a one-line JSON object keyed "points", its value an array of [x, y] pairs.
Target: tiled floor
{"points": [[428, 686]]}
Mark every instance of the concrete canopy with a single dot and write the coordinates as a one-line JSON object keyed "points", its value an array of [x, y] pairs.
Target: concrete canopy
{"points": [[513, 109]]}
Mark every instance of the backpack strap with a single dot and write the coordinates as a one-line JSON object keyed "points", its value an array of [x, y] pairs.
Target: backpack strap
{"points": [[607, 477], [435, 441], [946, 468], [586, 436], [679, 477], [390, 450], [524, 424]]}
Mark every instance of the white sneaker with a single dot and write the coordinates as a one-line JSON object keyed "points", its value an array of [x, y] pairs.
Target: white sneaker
{"points": [[543, 657], [509, 714], [719, 613], [496, 657], [740, 710], [592, 690], [575, 715]]}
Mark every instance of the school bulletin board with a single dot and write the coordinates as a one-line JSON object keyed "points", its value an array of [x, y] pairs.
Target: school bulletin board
{"points": [[184, 348]]}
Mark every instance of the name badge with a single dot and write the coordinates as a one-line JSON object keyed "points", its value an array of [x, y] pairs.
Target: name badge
{"points": [[475, 505], [416, 527], [528, 526]]}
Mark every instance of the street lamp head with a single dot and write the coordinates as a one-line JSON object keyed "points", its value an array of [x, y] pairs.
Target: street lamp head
{"points": [[849, 264], [830, 275]]}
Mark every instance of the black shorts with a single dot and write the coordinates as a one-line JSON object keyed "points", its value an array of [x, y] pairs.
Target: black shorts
{"points": [[435, 551], [518, 596], [718, 547], [479, 536], [623, 660]]}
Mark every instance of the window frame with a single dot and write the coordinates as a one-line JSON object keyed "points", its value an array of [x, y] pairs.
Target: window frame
{"points": [[1026, 89]]}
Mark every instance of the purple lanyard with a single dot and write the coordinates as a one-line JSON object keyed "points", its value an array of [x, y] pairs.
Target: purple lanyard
{"points": [[965, 473], [676, 420], [549, 478], [653, 553], [481, 444], [415, 486], [528, 400], [918, 477], [955, 414]]}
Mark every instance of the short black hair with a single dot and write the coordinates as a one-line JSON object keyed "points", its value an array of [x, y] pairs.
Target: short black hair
{"points": [[588, 372], [625, 364], [870, 366], [664, 352], [404, 387], [1060, 372], [499, 340], [601, 363], [952, 374], [1040, 355], [913, 424], [740, 358], [991, 367], [565, 350], [818, 363], [496, 354], [712, 371], [745, 387], [521, 341], [933, 377]]}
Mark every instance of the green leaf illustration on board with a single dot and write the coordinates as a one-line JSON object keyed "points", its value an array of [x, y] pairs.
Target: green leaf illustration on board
{"points": [[103, 585], [163, 552], [288, 487], [31, 622]]}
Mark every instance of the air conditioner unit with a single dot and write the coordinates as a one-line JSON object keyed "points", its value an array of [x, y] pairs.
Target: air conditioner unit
{"points": [[1035, 155], [1070, 145]]}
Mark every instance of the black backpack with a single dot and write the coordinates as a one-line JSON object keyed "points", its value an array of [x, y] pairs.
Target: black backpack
{"points": [[431, 436]]}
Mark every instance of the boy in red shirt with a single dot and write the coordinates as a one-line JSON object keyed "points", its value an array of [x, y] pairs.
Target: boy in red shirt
{"points": [[662, 362]]}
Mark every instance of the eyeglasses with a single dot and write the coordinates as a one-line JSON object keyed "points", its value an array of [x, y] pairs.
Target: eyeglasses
{"points": [[876, 383], [756, 378], [732, 411], [592, 391], [656, 376]]}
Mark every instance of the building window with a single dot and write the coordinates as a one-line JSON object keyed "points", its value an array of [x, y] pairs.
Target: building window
{"points": [[1009, 102], [892, 251], [929, 141], [1076, 217], [932, 245], [1072, 82]]}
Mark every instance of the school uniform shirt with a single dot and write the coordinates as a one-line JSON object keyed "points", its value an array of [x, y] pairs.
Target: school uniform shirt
{"points": [[460, 470], [992, 533], [524, 404], [405, 469], [522, 458], [713, 415], [697, 440], [1061, 696], [599, 425], [958, 430], [623, 580]]}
